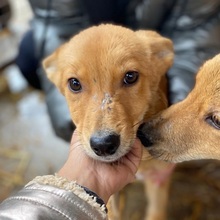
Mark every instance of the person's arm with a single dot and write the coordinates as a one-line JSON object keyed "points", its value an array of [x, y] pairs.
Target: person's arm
{"points": [[80, 190]]}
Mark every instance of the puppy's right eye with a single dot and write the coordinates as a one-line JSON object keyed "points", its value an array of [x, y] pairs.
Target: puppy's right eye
{"points": [[74, 85]]}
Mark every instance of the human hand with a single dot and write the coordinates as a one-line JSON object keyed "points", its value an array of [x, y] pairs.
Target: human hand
{"points": [[102, 178]]}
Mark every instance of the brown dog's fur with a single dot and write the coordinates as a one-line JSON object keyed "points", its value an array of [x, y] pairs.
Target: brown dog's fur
{"points": [[190, 129], [99, 58]]}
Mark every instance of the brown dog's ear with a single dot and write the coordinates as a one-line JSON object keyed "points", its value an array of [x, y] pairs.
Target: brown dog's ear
{"points": [[50, 65], [160, 47]]}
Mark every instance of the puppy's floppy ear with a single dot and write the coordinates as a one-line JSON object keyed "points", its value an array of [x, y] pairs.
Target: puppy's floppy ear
{"points": [[160, 47], [50, 65]]}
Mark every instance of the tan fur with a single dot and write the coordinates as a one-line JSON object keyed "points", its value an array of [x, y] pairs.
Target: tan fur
{"points": [[99, 58], [184, 131]]}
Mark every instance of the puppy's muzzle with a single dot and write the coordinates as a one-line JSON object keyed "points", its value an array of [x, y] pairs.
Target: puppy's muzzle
{"points": [[104, 144]]}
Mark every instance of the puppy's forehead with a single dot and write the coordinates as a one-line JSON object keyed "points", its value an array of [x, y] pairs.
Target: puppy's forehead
{"points": [[105, 42], [207, 88]]}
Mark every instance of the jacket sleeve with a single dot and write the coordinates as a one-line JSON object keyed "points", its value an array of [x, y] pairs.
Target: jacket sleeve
{"points": [[52, 197]]}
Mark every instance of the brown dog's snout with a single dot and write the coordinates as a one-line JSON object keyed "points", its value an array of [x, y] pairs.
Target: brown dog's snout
{"points": [[104, 144], [142, 134]]}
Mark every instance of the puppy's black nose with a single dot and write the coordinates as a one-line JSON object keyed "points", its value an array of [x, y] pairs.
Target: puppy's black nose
{"points": [[104, 145], [142, 135]]}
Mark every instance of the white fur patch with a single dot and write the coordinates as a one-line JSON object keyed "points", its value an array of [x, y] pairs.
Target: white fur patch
{"points": [[106, 101]]}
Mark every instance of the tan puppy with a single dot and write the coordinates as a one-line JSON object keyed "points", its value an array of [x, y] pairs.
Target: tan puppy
{"points": [[190, 129], [113, 80]]}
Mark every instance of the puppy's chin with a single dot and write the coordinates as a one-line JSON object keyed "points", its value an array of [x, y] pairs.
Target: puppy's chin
{"points": [[110, 158]]}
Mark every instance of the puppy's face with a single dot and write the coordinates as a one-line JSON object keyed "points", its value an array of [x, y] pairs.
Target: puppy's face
{"points": [[190, 129], [109, 76]]}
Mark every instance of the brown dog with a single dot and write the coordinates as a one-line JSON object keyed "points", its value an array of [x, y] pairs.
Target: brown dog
{"points": [[114, 79], [190, 129]]}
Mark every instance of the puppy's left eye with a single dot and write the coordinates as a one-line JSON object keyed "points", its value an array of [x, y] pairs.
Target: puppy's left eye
{"points": [[214, 120], [131, 77], [74, 85]]}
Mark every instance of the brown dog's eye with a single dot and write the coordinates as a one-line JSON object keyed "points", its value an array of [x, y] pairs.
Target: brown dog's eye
{"points": [[74, 85], [131, 77], [214, 120]]}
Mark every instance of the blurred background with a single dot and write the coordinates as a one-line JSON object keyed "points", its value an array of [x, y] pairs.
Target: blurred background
{"points": [[29, 146]]}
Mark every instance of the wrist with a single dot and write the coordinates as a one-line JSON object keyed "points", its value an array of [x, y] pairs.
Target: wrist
{"points": [[86, 178]]}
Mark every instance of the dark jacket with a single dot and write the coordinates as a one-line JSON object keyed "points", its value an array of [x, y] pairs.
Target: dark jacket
{"points": [[194, 27]]}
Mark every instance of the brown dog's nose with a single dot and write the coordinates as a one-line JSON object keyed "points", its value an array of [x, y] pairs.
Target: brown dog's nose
{"points": [[104, 145], [142, 134]]}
